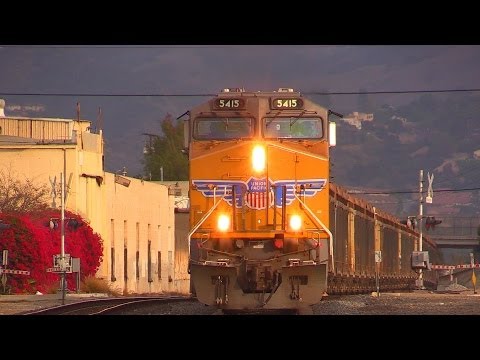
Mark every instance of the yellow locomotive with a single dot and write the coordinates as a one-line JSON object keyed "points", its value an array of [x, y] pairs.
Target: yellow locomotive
{"points": [[259, 199]]}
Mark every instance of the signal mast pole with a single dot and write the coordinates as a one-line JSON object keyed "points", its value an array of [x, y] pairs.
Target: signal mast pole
{"points": [[420, 220], [62, 226]]}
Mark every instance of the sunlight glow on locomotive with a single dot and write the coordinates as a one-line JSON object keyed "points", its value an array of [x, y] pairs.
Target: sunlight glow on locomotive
{"points": [[295, 222], [223, 223], [258, 158]]}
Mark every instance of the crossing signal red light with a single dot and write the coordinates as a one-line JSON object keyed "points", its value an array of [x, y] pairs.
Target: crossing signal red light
{"points": [[71, 223], [74, 224], [411, 222], [431, 222]]}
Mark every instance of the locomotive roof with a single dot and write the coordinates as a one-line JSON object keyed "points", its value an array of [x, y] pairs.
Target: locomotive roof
{"points": [[241, 92]]}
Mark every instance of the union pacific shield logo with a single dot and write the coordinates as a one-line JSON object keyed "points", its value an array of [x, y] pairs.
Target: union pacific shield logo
{"points": [[252, 193], [256, 197]]}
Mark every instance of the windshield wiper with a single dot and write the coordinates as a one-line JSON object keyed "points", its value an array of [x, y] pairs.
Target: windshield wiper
{"points": [[296, 118], [272, 118]]}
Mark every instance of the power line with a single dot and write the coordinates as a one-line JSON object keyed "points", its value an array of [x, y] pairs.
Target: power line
{"points": [[155, 46], [212, 94], [391, 202], [113, 47], [388, 92], [356, 192], [104, 94]]}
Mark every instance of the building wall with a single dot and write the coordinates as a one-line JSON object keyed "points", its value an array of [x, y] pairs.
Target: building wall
{"points": [[43, 163], [130, 220], [139, 214], [43, 129], [182, 277]]}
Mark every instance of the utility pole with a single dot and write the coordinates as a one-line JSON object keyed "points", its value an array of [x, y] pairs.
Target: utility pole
{"points": [[420, 227], [62, 241], [62, 226]]}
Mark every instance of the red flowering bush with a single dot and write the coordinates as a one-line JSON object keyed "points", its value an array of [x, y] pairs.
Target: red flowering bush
{"points": [[31, 244]]}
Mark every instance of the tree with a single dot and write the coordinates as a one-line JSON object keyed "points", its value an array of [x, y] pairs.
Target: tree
{"points": [[165, 153], [31, 244], [21, 195]]}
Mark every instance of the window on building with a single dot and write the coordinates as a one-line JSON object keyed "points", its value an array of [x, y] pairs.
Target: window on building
{"points": [[125, 264], [125, 252], [137, 256], [137, 264], [149, 262], [112, 270], [159, 265], [112, 250]]}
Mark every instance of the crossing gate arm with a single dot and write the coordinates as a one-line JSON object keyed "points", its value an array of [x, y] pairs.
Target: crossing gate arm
{"points": [[16, 272], [452, 267]]}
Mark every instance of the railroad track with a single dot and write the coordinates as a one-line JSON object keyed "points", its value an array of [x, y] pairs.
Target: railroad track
{"points": [[262, 312], [111, 306]]}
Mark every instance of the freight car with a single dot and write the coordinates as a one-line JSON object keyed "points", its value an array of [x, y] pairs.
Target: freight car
{"points": [[267, 228], [371, 244]]}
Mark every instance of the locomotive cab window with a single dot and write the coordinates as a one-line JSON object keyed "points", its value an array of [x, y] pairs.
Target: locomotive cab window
{"points": [[292, 127], [222, 128]]}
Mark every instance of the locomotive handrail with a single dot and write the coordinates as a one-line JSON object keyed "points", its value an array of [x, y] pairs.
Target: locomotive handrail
{"points": [[330, 242], [200, 222], [215, 194]]}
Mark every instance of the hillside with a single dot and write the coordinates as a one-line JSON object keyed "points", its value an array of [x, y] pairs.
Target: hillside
{"points": [[438, 134]]}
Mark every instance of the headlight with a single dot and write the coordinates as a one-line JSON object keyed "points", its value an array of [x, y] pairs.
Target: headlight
{"points": [[223, 223], [258, 158], [295, 222]]}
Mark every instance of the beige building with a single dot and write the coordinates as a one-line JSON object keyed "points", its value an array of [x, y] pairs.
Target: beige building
{"points": [[135, 218]]}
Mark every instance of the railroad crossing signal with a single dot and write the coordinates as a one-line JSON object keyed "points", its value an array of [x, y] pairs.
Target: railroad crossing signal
{"points": [[14, 271], [429, 197], [411, 222], [4, 272], [61, 265], [378, 260], [431, 222], [452, 267], [53, 192]]}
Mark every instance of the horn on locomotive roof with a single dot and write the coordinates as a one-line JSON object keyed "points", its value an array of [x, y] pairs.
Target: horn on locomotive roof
{"points": [[233, 90]]}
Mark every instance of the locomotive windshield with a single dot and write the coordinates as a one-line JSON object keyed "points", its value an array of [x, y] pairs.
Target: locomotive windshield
{"points": [[222, 128], [293, 127]]}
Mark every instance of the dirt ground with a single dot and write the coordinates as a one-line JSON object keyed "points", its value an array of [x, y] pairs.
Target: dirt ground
{"points": [[421, 302], [18, 304]]}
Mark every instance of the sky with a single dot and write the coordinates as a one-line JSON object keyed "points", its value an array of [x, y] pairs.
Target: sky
{"points": [[29, 73]]}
